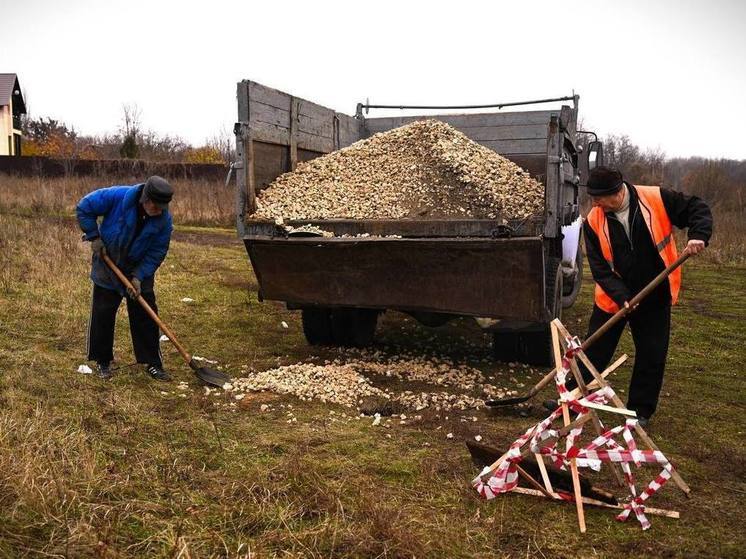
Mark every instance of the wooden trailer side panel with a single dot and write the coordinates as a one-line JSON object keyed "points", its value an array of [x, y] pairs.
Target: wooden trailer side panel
{"points": [[517, 133], [275, 131]]}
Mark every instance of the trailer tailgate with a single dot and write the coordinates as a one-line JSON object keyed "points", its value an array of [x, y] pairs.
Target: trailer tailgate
{"points": [[498, 278]]}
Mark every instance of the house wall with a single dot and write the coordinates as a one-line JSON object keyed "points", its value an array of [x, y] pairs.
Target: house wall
{"points": [[6, 129], [7, 145]]}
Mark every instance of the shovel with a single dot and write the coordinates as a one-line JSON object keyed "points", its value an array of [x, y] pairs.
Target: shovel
{"points": [[621, 313], [205, 374]]}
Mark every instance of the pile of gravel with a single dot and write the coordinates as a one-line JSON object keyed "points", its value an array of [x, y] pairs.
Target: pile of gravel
{"points": [[443, 384], [426, 169], [339, 384]]}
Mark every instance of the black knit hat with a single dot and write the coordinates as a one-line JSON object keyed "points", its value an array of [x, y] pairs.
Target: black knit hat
{"points": [[604, 181], [158, 191]]}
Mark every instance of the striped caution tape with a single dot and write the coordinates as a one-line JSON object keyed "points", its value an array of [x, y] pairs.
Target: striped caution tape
{"points": [[603, 449]]}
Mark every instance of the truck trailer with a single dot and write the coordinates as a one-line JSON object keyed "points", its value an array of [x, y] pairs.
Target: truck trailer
{"points": [[513, 276]]}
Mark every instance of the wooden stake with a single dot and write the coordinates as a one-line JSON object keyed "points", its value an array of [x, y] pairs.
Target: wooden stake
{"points": [[566, 419], [544, 474], [596, 503], [610, 409], [610, 369], [526, 451], [678, 480], [580, 381], [525, 475]]}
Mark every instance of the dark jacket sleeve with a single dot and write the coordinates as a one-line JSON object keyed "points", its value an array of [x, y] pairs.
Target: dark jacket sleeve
{"points": [[688, 211], [603, 275]]}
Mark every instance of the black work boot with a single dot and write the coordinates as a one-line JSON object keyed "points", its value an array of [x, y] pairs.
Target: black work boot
{"points": [[157, 372], [550, 405], [104, 370]]}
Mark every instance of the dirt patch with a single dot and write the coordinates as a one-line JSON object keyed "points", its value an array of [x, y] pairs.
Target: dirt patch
{"points": [[703, 308]]}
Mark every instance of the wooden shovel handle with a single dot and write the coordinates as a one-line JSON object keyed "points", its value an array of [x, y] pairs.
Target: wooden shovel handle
{"points": [[624, 311], [165, 329], [621, 313]]}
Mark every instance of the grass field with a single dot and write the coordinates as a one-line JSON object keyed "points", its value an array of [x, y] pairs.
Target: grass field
{"points": [[134, 468]]}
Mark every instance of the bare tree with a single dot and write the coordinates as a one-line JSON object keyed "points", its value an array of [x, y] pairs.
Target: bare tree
{"points": [[131, 115], [224, 143], [131, 119]]}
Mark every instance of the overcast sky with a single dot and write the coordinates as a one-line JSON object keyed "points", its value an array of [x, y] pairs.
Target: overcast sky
{"points": [[670, 74]]}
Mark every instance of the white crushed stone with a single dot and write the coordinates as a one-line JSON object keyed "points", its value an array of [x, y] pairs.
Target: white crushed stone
{"points": [[85, 370], [341, 384], [423, 169], [347, 382]]}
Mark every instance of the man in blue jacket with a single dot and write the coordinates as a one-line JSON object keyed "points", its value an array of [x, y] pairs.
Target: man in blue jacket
{"points": [[135, 232]]}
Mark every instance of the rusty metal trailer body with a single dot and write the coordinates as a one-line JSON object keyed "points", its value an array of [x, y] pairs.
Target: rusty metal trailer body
{"points": [[515, 273]]}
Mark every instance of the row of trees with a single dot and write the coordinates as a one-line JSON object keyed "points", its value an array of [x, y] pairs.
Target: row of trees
{"points": [[52, 138], [722, 182]]}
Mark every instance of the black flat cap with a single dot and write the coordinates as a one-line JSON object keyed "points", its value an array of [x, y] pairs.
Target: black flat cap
{"points": [[603, 181], [158, 191]]}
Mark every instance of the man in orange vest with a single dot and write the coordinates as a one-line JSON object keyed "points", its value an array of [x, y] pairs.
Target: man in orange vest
{"points": [[629, 241]]}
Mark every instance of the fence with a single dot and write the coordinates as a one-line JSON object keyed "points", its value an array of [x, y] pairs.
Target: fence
{"points": [[134, 169]]}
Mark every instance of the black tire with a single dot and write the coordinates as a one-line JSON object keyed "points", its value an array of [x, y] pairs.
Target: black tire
{"points": [[533, 345], [432, 319], [570, 295], [317, 326], [353, 327]]}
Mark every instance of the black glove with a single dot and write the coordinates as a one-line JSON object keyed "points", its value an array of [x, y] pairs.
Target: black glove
{"points": [[134, 293], [97, 246]]}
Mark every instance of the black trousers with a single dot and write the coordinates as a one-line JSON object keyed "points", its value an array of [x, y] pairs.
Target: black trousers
{"points": [[651, 329], [145, 332]]}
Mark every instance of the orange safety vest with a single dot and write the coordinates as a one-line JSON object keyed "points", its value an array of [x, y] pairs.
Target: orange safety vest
{"points": [[661, 230]]}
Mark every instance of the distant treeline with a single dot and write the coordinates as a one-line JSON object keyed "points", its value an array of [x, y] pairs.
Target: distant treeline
{"points": [[48, 137], [720, 182]]}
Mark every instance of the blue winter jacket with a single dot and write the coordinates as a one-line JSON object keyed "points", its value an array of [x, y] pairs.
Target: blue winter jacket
{"points": [[139, 258]]}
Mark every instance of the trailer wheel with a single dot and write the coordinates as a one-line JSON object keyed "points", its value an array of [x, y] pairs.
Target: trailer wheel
{"points": [[534, 345], [353, 327], [317, 326], [530, 347]]}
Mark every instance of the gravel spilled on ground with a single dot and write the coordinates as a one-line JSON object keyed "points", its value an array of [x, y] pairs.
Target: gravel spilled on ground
{"points": [[411, 383], [424, 169]]}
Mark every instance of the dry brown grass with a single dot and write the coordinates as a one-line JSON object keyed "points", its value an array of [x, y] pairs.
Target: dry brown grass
{"points": [[728, 243], [197, 202], [205, 203], [119, 469]]}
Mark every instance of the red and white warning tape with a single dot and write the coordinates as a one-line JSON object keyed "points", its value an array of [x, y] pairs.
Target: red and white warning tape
{"points": [[603, 449]]}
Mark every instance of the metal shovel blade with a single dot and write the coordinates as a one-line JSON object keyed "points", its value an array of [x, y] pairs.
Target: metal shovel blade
{"points": [[208, 375], [506, 402]]}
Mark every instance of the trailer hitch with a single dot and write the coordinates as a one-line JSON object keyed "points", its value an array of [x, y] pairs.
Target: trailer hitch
{"points": [[502, 231]]}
